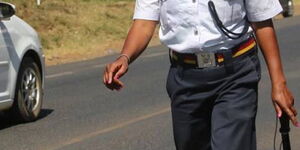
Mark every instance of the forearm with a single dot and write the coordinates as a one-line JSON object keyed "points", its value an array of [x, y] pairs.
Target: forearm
{"points": [[282, 98], [266, 37], [138, 38]]}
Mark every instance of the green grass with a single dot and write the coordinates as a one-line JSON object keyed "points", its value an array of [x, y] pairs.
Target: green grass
{"points": [[77, 26]]}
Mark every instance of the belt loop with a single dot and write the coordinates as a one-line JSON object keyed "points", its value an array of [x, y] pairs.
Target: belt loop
{"points": [[228, 59]]}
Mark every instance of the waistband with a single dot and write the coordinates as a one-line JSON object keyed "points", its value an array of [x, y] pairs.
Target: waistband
{"points": [[211, 59]]}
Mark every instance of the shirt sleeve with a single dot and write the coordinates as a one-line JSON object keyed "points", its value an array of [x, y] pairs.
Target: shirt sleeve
{"points": [[147, 10], [260, 10]]}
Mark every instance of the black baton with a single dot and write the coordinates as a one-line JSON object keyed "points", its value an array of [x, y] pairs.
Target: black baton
{"points": [[284, 130]]}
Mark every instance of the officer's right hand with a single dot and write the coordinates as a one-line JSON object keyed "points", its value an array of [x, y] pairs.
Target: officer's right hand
{"points": [[113, 72]]}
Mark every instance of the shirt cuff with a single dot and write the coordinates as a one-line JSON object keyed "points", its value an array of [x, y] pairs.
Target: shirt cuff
{"points": [[146, 16]]}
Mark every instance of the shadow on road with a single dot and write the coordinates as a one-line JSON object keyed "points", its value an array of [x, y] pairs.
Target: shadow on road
{"points": [[6, 121]]}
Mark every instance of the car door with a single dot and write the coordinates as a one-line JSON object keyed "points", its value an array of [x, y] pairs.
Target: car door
{"points": [[4, 63]]}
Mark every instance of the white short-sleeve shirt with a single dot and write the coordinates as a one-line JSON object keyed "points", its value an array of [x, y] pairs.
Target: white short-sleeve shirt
{"points": [[187, 26]]}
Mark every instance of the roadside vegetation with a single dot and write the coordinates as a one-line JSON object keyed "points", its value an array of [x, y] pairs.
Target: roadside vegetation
{"points": [[73, 30]]}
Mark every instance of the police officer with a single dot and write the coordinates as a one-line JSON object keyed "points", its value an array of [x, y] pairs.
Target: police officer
{"points": [[215, 69]]}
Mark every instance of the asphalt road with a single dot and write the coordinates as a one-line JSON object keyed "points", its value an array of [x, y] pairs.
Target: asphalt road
{"points": [[79, 113]]}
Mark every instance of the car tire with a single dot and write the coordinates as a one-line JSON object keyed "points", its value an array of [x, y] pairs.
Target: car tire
{"points": [[29, 92], [290, 10]]}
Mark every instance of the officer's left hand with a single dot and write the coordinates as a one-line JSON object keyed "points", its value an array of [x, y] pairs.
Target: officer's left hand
{"points": [[113, 72], [283, 101]]}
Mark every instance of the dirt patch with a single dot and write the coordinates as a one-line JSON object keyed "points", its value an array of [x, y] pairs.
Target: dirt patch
{"points": [[60, 56]]}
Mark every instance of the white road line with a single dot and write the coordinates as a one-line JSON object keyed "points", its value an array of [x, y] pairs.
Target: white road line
{"points": [[155, 54], [111, 128], [58, 75], [98, 66]]}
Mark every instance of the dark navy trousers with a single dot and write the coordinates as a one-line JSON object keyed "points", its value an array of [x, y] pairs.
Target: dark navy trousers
{"points": [[215, 108]]}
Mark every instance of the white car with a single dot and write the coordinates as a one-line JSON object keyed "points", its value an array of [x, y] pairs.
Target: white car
{"points": [[22, 66]]}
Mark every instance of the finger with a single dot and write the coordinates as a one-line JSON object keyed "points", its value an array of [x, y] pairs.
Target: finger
{"points": [[121, 72], [294, 111], [119, 83], [291, 116], [278, 110], [111, 73], [109, 85], [106, 77], [292, 100], [106, 73], [115, 85]]}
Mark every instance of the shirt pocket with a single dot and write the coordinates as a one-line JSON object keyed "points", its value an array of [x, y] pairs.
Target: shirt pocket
{"points": [[230, 11], [170, 11]]}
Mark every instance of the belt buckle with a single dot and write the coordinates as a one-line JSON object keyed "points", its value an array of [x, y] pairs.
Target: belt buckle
{"points": [[206, 59]]}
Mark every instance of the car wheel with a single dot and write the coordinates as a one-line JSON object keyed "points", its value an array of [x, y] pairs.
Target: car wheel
{"points": [[28, 95], [290, 10]]}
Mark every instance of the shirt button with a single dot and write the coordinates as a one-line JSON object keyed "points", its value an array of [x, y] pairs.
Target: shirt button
{"points": [[196, 32]]}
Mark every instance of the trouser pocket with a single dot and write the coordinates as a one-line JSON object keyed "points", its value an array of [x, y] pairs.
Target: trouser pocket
{"points": [[170, 85], [256, 65]]}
